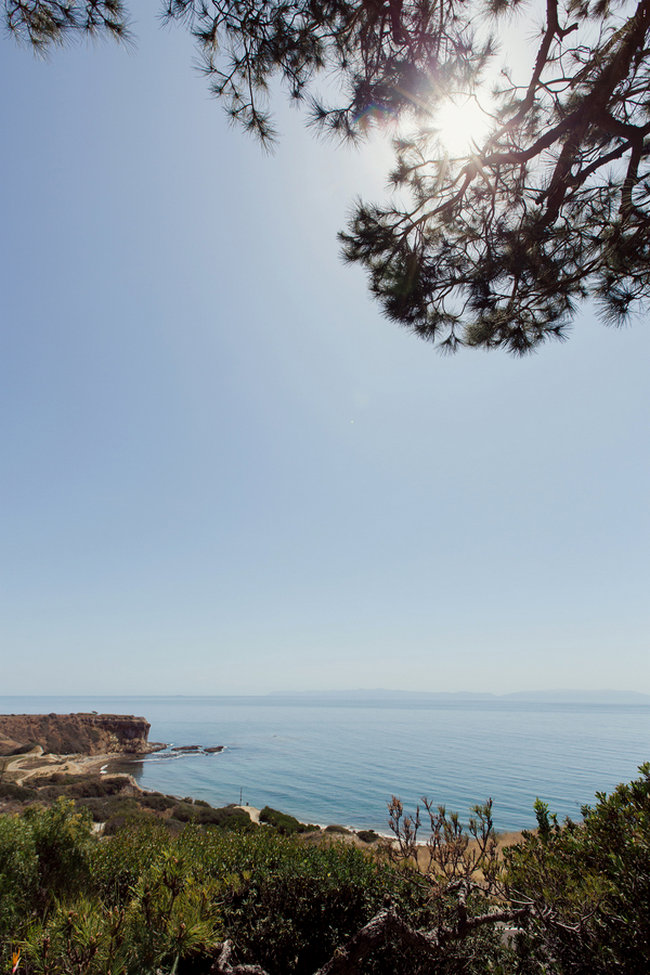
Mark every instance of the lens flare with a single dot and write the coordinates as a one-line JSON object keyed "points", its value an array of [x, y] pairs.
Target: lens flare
{"points": [[461, 125]]}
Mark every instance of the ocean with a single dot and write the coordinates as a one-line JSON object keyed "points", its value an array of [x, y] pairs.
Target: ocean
{"points": [[339, 761]]}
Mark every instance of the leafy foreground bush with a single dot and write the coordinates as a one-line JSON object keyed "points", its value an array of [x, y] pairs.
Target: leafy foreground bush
{"points": [[567, 900], [145, 900], [588, 886]]}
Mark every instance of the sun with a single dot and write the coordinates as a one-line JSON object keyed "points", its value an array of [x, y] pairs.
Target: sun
{"points": [[462, 123]]}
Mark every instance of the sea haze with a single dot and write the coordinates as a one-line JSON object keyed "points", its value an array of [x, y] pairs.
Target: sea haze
{"points": [[338, 759]]}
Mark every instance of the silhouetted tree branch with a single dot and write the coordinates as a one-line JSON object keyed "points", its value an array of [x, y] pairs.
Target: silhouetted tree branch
{"points": [[494, 248]]}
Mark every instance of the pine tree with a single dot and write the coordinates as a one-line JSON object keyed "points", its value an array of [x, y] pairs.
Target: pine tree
{"points": [[496, 247]]}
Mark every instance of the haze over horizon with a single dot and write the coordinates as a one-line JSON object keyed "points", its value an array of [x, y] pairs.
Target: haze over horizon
{"points": [[351, 695], [224, 472]]}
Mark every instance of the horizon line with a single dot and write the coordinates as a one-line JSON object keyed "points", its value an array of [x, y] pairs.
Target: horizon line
{"points": [[338, 692]]}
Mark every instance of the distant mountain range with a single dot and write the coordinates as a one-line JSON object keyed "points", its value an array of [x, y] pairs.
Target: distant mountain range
{"points": [[422, 697]]}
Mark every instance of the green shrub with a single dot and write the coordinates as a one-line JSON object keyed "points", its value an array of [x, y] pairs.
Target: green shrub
{"points": [[227, 817], [18, 880], [285, 825], [287, 906], [367, 835], [590, 884], [185, 812], [44, 858], [127, 817], [62, 836], [295, 904], [165, 923], [157, 801], [335, 828], [119, 861], [58, 778], [103, 808], [9, 790], [82, 786]]}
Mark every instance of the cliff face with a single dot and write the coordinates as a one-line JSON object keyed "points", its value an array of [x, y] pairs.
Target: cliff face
{"points": [[68, 734]]}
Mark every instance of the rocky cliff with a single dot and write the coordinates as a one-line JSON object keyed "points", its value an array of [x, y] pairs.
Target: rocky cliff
{"points": [[71, 734]]}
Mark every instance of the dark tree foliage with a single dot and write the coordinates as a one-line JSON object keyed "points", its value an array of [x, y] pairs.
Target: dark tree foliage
{"points": [[495, 248], [45, 22], [588, 886]]}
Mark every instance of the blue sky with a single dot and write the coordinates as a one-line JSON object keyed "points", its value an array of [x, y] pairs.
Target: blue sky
{"points": [[225, 472]]}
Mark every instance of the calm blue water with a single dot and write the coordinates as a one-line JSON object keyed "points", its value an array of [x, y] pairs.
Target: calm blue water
{"points": [[340, 762]]}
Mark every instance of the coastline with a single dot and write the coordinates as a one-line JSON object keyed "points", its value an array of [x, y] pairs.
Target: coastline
{"points": [[23, 769], [341, 765]]}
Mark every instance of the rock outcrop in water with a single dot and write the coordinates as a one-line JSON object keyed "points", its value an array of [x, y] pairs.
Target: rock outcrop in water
{"points": [[72, 734]]}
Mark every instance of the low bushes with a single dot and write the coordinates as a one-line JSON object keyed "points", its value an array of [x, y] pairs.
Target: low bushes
{"points": [[156, 801], [103, 808], [143, 899], [285, 825], [367, 835], [294, 904], [9, 790], [44, 857], [82, 786], [227, 817]]}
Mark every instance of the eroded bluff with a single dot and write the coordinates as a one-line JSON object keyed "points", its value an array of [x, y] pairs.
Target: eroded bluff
{"points": [[71, 734]]}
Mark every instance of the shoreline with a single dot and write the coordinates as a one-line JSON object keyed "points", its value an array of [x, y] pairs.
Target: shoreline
{"points": [[24, 769]]}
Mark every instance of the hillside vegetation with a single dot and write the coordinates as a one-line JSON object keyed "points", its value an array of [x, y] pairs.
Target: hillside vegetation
{"points": [[217, 894]]}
